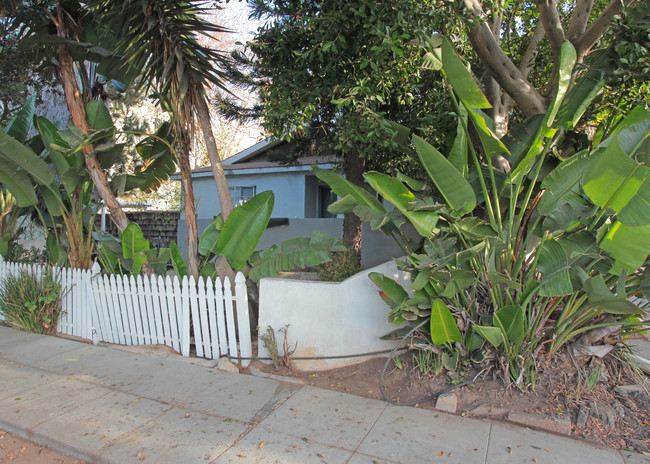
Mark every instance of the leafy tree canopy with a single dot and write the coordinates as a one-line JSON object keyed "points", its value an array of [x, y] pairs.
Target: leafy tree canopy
{"points": [[330, 70]]}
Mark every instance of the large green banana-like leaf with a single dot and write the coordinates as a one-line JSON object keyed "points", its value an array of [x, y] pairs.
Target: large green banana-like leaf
{"points": [[134, 245], [628, 245], [579, 98], [19, 125], [598, 295], [494, 335], [208, 241], [298, 252], [158, 259], [98, 116], [69, 170], [242, 231], [461, 79], [489, 140], [179, 264], [618, 182], [444, 330], [391, 292], [354, 198], [553, 264], [459, 150], [566, 64], [20, 186], [510, 319], [14, 154], [394, 191], [563, 179], [450, 182]]}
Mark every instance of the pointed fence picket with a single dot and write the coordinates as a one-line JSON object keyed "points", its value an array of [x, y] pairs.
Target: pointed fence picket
{"points": [[153, 310]]}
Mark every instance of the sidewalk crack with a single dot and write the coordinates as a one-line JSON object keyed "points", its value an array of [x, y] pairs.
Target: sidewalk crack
{"points": [[367, 433]]}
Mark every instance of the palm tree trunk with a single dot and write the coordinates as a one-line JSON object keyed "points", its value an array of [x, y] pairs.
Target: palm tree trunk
{"points": [[213, 154], [190, 210]]}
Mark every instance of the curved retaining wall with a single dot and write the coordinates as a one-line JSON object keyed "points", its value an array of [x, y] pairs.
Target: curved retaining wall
{"points": [[328, 318]]}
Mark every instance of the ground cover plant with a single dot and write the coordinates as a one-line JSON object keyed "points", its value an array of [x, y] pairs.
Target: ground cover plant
{"points": [[31, 303], [527, 242]]}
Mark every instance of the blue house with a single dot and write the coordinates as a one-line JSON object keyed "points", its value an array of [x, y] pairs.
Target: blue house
{"points": [[301, 199]]}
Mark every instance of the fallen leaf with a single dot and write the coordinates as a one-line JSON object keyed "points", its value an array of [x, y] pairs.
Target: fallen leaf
{"points": [[320, 455], [441, 453], [241, 455], [261, 444], [306, 440], [509, 449], [401, 419]]}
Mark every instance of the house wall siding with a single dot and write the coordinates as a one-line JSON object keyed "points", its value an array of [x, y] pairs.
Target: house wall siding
{"points": [[288, 188]]}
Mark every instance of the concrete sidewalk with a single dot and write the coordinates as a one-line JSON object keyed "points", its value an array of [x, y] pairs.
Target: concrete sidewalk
{"points": [[110, 406]]}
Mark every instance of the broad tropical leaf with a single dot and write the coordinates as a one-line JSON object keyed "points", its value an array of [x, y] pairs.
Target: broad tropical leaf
{"points": [[618, 182], [598, 295], [461, 79], [494, 335], [394, 191], [450, 182], [20, 124], [242, 231], [354, 198], [553, 264], [628, 245], [444, 330], [134, 245], [208, 241], [391, 292], [293, 253], [563, 179], [510, 319], [579, 98], [180, 267]]}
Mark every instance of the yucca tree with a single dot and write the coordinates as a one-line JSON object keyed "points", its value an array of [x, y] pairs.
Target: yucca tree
{"points": [[160, 37]]}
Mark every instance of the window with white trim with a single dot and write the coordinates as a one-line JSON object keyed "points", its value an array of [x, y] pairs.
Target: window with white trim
{"points": [[241, 194]]}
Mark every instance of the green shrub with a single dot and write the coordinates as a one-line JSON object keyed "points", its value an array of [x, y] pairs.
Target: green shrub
{"points": [[29, 303], [343, 265]]}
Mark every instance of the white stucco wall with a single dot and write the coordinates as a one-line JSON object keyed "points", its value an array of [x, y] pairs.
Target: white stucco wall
{"points": [[328, 319]]}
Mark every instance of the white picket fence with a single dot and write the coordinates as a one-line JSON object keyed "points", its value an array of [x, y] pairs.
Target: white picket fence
{"points": [[144, 310]]}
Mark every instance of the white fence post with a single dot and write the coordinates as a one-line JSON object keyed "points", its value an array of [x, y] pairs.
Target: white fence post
{"points": [[243, 318]]}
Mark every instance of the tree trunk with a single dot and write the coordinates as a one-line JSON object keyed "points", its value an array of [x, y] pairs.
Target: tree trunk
{"points": [[78, 114], [213, 154], [190, 210], [353, 167]]}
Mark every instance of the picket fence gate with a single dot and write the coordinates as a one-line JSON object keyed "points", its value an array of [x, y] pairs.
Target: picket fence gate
{"points": [[151, 310]]}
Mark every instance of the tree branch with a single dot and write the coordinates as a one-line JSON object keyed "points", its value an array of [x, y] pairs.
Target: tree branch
{"points": [[580, 18], [551, 20], [526, 97], [528, 57], [587, 40]]}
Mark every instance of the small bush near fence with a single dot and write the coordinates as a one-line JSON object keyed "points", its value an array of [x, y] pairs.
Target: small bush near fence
{"points": [[30, 303]]}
